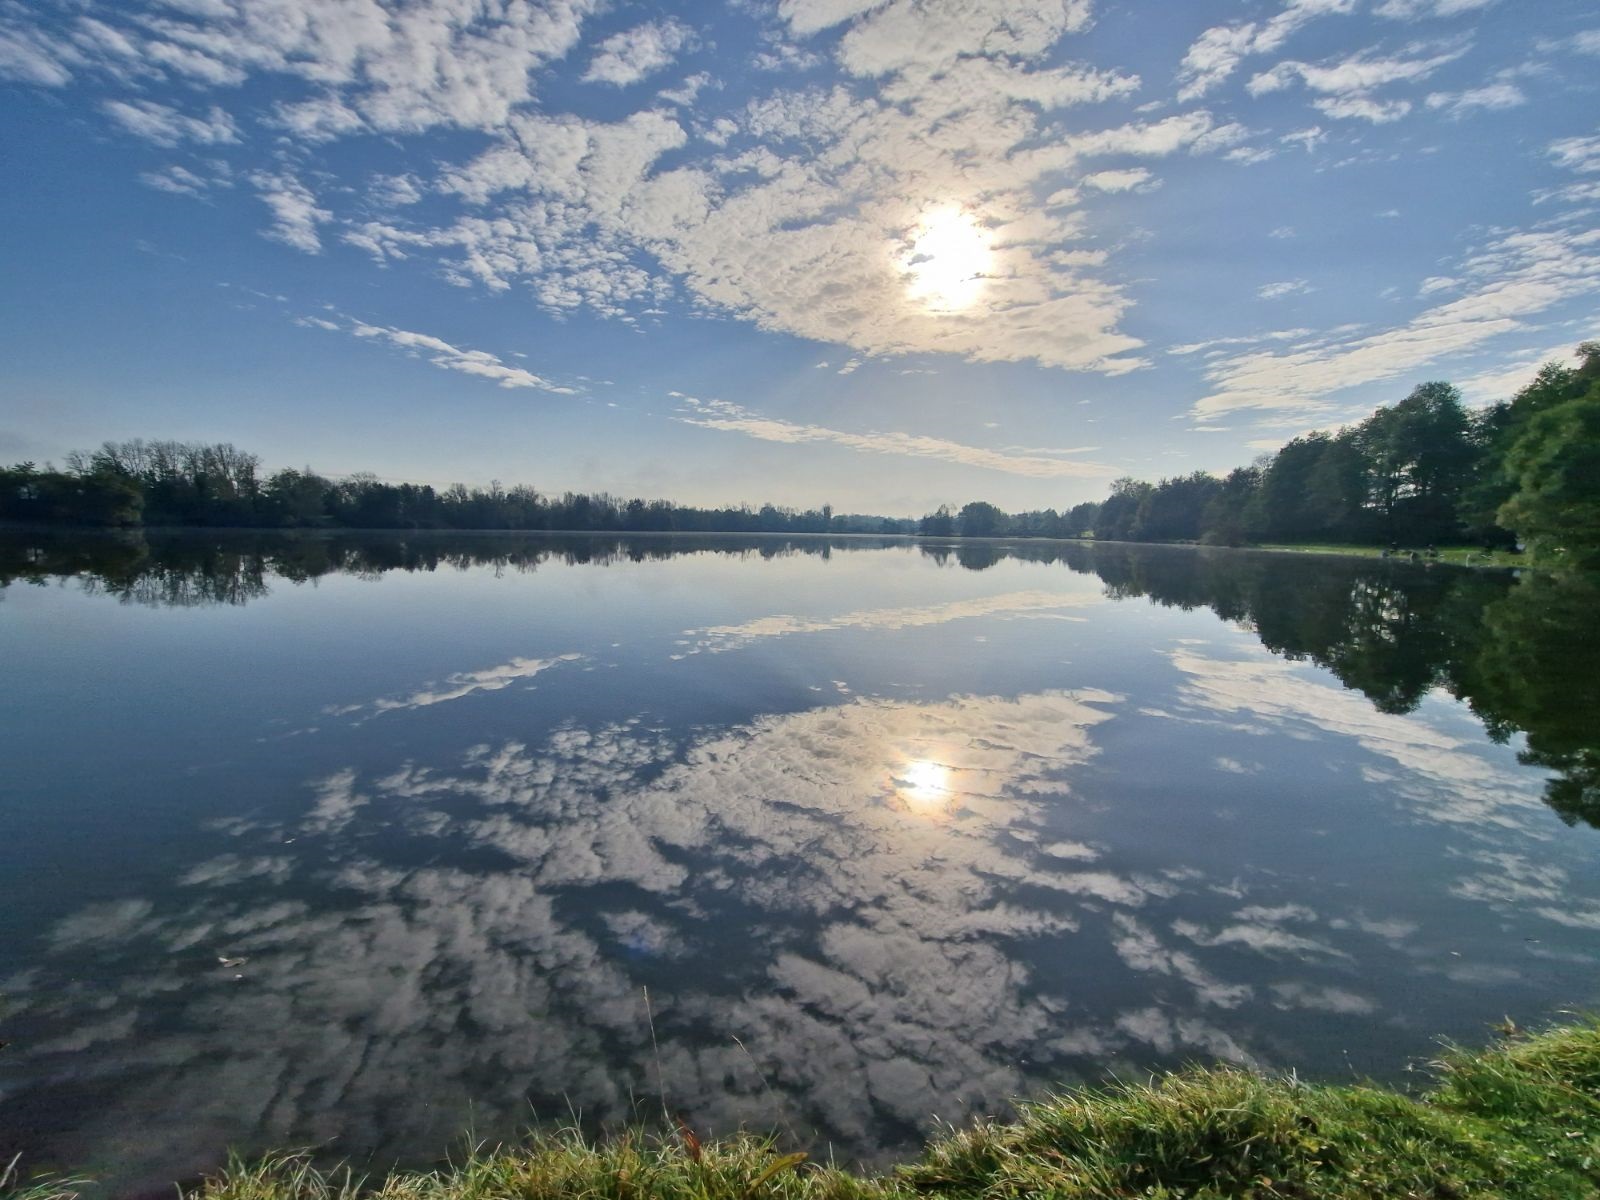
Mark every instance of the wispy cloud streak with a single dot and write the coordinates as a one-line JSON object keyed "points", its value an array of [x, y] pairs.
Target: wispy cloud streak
{"points": [[733, 418]]}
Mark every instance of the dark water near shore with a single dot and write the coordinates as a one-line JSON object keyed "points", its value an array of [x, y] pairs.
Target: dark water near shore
{"points": [[361, 841]]}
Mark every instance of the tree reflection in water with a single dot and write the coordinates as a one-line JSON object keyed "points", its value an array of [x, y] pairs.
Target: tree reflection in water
{"points": [[1521, 652]]}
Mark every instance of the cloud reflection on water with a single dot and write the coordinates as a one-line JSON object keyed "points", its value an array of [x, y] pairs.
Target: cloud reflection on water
{"points": [[463, 938], [716, 639]]}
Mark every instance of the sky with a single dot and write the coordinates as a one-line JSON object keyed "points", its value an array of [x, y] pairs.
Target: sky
{"points": [[883, 254]]}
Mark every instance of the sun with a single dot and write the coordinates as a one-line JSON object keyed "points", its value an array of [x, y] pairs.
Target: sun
{"points": [[925, 787], [948, 264]]}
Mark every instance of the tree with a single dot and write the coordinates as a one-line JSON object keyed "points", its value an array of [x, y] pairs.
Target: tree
{"points": [[1286, 489], [938, 523], [1080, 519], [1421, 455], [1172, 510], [1334, 504], [1228, 519], [981, 519], [293, 497], [1118, 518], [1555, 467]]}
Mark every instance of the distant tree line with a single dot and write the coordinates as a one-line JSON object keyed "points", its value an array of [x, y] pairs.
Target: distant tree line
{"points": [[142, 482], [1424, 471]]}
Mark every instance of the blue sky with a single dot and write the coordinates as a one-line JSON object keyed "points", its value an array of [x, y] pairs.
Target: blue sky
{"points": [[879, 253]]}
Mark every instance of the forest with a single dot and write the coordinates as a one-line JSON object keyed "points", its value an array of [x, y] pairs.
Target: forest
{"points": [[1425, 471], [157, 483]]}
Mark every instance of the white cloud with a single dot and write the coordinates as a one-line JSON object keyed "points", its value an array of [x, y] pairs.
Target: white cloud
{"points": [[1217, 53], [626, 58], [1514, 278], [1344, 86], [1287, 287], [1118, 181], [806, 17], [30, 56], [430, 63], [785, 56], [1583, 192], [1505, 380], [926, 34], [582, 213], [1252, 339], [687, 91], [1577, 153], [1307, 139], [166, 126], [1491, 97], [294, 210], [478, 363], [1411, 10], [1364, 108], [1359, 73], [394, 191], [731, 418], [177, 180], [321, 119], [795, 212]]}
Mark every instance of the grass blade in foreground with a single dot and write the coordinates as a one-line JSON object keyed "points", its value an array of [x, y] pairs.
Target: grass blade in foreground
{"points": [[1518, 1119]]}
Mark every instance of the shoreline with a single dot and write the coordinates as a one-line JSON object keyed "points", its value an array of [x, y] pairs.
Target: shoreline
{"points": [[1518, 1117]]}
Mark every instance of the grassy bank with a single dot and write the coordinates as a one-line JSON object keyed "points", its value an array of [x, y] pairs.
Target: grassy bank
{"points": [[1461, 556], [1521, 1118]]}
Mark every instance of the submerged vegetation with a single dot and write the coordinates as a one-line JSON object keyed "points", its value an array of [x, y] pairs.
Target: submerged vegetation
{"points": [[1521, 1118]]}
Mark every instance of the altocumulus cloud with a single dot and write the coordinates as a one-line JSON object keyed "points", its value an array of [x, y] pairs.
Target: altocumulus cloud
{"points": [[789, 190], [788, 210]]}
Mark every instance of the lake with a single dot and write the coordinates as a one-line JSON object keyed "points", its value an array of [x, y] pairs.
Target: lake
{"points": [[363, 841]]}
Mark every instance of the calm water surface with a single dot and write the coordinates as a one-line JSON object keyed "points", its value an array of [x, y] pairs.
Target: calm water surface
{"points": [[357, 842]]}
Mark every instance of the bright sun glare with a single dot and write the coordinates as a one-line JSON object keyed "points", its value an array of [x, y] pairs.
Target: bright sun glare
{"points": [[925, 786], [949, 261]]}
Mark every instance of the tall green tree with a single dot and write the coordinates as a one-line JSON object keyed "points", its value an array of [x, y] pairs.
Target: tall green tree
{"points": [[982, 519], [1421, 456], [1172, 510], [1118, 518], [1554, 466], [1230, 517]]}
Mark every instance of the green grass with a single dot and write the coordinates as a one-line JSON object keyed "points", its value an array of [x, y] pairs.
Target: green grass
{"points": [[1457, 555], [1519, 1119]]}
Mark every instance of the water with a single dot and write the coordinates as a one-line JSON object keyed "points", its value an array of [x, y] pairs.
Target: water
{"points": [[358, 842]]}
